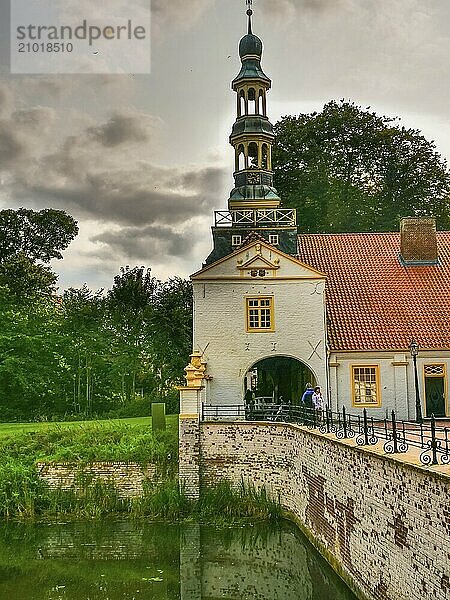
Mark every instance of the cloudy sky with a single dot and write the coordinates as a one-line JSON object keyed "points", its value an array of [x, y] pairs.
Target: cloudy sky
{"points": [[142, 161]]}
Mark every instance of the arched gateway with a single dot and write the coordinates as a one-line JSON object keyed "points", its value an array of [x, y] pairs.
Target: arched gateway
{"points": [[278, 379]]}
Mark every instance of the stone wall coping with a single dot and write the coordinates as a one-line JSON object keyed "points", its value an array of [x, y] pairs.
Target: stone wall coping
{"points": [[438, 471]]}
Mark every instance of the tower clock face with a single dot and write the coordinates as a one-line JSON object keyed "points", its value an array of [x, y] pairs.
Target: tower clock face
{"points": [[253, 178]]}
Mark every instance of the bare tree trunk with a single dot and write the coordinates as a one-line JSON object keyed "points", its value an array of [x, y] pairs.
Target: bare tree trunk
{"points": [[79, 385], [88, 391], [123, 388]]}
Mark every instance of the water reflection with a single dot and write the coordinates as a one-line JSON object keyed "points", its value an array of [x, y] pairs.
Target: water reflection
{"points": [[132, 560]]}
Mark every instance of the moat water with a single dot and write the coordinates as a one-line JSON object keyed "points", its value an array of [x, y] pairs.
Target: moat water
{"points": [[130, 560]]}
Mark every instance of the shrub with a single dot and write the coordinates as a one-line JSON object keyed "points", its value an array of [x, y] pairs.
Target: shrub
{"points": [[19, 488]]}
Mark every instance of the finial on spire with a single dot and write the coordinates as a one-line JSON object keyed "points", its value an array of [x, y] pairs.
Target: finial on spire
{"points": [[249, 13]]}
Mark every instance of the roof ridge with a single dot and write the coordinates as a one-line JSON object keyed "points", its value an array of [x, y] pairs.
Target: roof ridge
{"points": [[359, 233]]}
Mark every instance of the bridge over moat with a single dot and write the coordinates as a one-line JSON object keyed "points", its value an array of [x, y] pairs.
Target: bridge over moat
{"points": [[374, 505]]}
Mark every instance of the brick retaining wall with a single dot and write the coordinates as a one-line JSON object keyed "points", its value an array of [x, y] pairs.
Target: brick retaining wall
{"points": [[383, 525], [128, 478]]}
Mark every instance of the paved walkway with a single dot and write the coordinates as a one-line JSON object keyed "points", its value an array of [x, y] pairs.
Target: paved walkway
{"points": [[411, 456]]}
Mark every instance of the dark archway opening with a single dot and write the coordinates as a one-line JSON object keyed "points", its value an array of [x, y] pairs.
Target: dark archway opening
{"points": [[278, 380]]}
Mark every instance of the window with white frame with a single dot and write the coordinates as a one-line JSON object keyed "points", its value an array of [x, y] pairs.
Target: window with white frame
{"points": [[236, 240], [273, 239], [366, 386]]}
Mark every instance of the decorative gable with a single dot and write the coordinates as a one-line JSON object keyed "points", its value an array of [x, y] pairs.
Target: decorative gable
{"points": [[258, 266], [258, 260]]}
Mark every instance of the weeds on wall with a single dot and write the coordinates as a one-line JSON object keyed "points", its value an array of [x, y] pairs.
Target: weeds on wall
{"points": [[23, 496], [228, 503]]}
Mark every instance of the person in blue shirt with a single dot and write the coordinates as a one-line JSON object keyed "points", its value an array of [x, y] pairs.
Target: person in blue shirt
{"points": [[307, 396]]}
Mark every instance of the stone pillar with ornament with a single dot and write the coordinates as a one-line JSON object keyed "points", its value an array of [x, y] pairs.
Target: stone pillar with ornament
{"points": [[191, 397]]}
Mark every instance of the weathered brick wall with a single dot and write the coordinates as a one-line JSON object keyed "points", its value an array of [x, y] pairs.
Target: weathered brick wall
{"points": [[384, 525], [128, 478], [189, 454]]}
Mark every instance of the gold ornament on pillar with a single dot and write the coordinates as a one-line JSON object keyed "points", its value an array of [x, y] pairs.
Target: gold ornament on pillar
{"points": [[196, 370]]}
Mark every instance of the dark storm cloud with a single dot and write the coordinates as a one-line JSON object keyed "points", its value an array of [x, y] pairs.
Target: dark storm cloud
{"points": [[144, 243], [11, 147], [133, 197], [33, 120], [105, 174], [120, 129], [22, 133]]}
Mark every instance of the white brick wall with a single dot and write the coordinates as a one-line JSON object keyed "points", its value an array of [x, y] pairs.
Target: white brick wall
{"points": [[396, 380], [220, 327]]}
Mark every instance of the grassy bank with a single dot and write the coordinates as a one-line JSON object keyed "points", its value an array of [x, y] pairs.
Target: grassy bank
{"points": [[7, 429], [24, 496]]}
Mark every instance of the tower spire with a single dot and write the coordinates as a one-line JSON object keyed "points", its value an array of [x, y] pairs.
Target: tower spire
{"points": [[249, 13], [252, 135], [254, 205]]}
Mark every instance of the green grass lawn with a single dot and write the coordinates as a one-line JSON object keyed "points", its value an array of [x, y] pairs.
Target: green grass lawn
{"points": [[7, 429]]}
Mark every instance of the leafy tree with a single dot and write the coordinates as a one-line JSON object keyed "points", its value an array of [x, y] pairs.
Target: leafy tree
{"points": [[33, 369], [151, 323], [25, 280], [129, 305], [172, 330], [32, 366], [347, 169], [39, 235], [87, 352]]}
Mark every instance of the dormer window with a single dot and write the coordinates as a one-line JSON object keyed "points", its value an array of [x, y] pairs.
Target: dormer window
{"points": [[236, 240], [273, 239]]}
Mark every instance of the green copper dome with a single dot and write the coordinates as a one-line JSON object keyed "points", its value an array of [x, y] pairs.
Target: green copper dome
{"points": [[254, 124], [250, 45], [250, 52], [254, 192], [251, 69]]}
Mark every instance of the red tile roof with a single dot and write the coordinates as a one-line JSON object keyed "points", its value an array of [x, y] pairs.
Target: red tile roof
{"points": [[373, 301]]}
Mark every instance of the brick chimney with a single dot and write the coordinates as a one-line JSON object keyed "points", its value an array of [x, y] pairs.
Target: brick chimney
{"points": [[418, 245]]}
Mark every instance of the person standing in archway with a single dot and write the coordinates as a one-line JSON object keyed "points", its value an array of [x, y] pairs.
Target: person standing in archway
{"points": [[307, 404], [307, 396]]}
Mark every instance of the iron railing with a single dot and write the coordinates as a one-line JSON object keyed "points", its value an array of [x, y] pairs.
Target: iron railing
{"points": [[281, 217], [396, 435]]}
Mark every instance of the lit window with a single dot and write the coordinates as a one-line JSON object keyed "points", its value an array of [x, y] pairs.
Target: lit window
{"points": [[236, 240], [366, 386], [273, 239], [260, 314]]}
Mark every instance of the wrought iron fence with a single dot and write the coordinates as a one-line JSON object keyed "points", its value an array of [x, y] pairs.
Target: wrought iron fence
{"points": [[396, 435]]}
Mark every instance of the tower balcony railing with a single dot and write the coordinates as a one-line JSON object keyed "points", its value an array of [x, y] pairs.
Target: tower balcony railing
{"points": [[279, 217]]}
